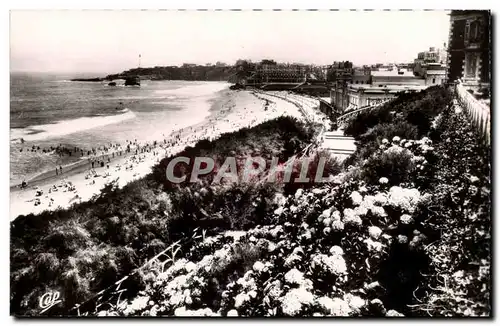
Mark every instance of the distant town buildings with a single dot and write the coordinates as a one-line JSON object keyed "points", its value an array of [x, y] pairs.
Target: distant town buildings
{"points": [[372, 85], [271, 72], [469, 50]]}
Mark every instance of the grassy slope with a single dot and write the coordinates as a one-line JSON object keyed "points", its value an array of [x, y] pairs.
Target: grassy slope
{"points": [[431, 214], [398, 236], [84, 249]]}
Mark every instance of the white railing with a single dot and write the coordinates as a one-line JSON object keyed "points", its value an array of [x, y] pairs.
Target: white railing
{"points": [[479, 113]]}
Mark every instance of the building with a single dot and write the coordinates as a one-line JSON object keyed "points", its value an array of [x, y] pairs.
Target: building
{"points": [[469, 48], [395, 76], [340, 72], [434, 74], [433, 56], [361, 76], [383, 84], [353, 96]]}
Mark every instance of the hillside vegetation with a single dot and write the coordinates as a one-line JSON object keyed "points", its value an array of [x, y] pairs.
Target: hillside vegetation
{"points": [[84, 249], [403, 228]]}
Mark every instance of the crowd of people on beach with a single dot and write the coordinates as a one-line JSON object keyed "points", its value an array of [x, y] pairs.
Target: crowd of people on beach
{"points": [[133, 153]]}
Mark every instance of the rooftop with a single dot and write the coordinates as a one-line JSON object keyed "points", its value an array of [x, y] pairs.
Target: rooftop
{"points": [[390, 88], [393, 73], [436, 72]]}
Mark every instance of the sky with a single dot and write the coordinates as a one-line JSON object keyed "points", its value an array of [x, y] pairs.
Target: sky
{"points": [[111, 41]]}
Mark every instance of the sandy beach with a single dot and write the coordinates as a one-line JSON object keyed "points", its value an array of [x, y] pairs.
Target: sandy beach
{"points": [[230, 111]]}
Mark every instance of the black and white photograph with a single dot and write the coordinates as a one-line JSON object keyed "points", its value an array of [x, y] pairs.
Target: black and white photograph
{"points": [[325, 163]]}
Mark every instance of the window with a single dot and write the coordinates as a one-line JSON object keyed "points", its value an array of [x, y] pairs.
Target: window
{"points": [[433, 80], [472, 32], [471, 64]]}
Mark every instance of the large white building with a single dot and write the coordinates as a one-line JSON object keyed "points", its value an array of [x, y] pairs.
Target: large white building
{"points": [[384, 84]]}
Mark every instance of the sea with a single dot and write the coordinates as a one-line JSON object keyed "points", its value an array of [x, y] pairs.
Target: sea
{"points": [[47, 110]]}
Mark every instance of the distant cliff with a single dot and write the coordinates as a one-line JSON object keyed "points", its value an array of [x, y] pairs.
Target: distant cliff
{"points": [[191, 72]]}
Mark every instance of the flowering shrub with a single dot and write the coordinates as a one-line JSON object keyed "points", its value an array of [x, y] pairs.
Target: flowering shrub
{"points": [[404, 230]]}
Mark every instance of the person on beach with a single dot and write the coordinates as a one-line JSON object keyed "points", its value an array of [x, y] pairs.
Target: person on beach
{"points": [[57, 173], [60, 168]]}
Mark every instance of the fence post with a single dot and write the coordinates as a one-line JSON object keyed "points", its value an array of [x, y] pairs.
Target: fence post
{"points": [[478, 113]]}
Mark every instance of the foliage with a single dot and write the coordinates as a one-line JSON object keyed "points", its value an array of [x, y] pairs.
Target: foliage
{"points": [[90, 246], [403, 230]]}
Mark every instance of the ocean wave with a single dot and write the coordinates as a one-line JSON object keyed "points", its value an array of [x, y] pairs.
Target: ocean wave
{"points": [[66, 127]]}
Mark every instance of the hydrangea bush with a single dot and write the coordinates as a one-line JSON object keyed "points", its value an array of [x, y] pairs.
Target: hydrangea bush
{"points": [[394, 234]]}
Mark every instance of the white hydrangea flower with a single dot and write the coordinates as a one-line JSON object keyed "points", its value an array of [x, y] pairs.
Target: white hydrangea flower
{"points": [[190, 266], [298, 250], [394, 313], [258, 266], [380, 198], [299, 193], [383, 180], [426, 140], [278, 211], [241, 299], [374, 232], [327, 230], [181, 312], [356, 198], [336, 250], [378, 211], [232, 313], [373, 245], [306, 235], [176, 299], [335, 307], [402, 239], [274, 290], [327, 221], [294, 277], [406, 219], [275, 232], [326, 213], [418, 159], [137, 304], [336, 216], [350, 217], [406, 199], [337, 225], [354, 301], [293, 302], [252, 294], [332, 264], [396, 139], [385, 141], [361, 210], [396, 149], [279, 199]]}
